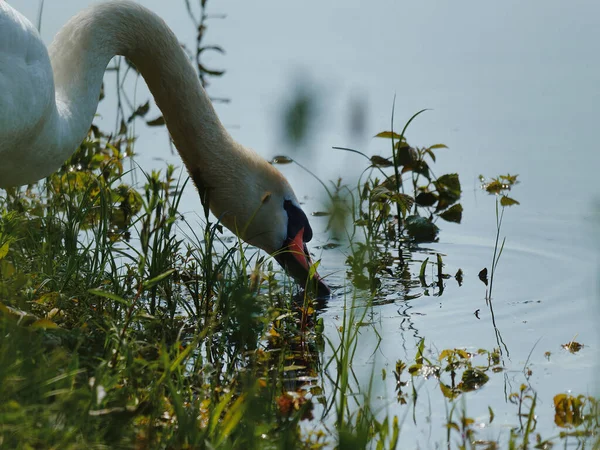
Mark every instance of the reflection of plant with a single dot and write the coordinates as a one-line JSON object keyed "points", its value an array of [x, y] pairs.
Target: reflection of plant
{"points": [[572, 412], [464, 427], [456, 363], [526, 402], [499, 186], [578, 416], [356, 421]]}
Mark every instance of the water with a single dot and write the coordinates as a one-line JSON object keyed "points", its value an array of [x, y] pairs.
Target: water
{"points": [[513, 87]]}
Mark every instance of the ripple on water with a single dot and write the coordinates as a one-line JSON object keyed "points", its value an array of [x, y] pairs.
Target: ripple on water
{"points": [[544, 294]]}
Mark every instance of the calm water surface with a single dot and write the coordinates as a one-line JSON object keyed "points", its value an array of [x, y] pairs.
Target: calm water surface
{"points": [[513, 87]]}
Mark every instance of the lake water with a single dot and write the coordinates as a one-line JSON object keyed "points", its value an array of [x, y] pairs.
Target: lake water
{"points": [[513, 87]]}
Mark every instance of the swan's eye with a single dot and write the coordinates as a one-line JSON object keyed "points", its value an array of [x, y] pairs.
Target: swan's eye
{"points": [[296, 221]]}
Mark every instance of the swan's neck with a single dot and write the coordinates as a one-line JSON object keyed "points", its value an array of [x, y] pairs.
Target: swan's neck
{"points": [[57, 94], [83, 48]]}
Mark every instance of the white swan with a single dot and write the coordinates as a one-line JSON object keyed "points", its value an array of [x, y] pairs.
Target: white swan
{"points": [[48, 98]]}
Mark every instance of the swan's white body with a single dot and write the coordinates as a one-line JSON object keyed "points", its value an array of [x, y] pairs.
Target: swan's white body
{"points": [[48, 98]]}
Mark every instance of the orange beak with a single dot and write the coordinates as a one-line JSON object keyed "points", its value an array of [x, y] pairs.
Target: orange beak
{"points": [[295, 259]]}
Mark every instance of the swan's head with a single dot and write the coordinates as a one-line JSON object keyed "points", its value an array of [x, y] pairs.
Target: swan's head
{"points": [[281, 228], [258, 204], [293, 254]]}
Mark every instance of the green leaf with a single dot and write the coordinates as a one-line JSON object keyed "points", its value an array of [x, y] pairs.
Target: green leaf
{"points": [[159, 121], [430, 153], [494, 187], [435, 146], [293, 367], [4, 250], [178, 362], [232, 418], [395, 433], [380, 161], [450, 394], [217, 411], [141, 111], [44, 323], [149, 283], [405, 201], [388, 135], [313, 270], [422, 270], [507, 201], [453, 214], [406, 156], [509, 179], [108, 295], [448, 187], [380, 193], [450, 182], [426, 199]]}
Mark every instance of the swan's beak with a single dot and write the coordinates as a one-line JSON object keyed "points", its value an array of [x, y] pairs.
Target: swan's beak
{"points": [[295, 259]]}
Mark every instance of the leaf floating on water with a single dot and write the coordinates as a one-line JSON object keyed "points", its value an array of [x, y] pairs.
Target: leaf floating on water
{"points": [[281, 159], [472, 380], [573, 346], [483, 275]]}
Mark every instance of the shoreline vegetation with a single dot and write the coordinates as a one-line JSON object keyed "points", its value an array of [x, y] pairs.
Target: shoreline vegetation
{"points": [[124, 325]]}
